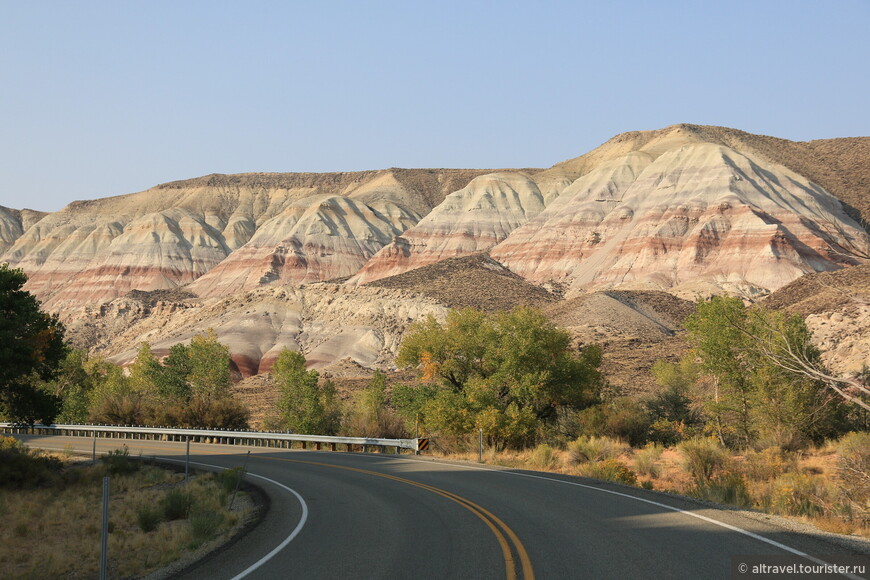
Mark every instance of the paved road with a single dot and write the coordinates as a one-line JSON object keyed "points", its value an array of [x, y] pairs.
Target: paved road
{"points": [[340, 515]]}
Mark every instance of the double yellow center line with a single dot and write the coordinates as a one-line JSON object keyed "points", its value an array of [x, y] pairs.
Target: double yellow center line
{"points": [[506, 537]]}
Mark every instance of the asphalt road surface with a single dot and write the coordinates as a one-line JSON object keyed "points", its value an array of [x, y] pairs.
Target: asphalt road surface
{"points": [[347, 515]]}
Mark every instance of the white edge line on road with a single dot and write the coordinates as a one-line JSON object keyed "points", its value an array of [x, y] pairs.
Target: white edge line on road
{"points": [[649, 501], [286, 541], [280, 546]]}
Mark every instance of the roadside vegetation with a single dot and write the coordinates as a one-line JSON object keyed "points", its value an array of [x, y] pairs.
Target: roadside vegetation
{"points": [[52, 513], [749, 416]]}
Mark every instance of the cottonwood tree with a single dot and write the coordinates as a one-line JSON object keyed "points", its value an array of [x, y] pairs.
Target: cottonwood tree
{"points": [[792, 351], [191, 388], [750, 388], [793, 357], [305, 406], [507, 373], [31, 348]]}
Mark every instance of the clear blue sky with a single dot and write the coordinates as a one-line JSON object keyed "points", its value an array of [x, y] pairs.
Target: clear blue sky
{"points": [[105, 98]]}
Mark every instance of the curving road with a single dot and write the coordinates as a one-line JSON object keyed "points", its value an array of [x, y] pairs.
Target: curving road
{"points": [[340, 515]]}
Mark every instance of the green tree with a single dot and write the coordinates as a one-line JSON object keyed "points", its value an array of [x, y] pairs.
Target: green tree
{"points": [[210, 361], [171, 381], [726, 356], [673, 412], [748, 393], [113, 400], [303, 405], [508, 373], [73, 386], [31, 348]]}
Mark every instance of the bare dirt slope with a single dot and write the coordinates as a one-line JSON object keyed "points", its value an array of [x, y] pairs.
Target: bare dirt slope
{"points": [[634, 329]]}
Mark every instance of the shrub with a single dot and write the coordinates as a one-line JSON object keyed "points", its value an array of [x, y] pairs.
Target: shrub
{"points": [[669, 433], [703, 457], [796, 494], [725, 488], [645, 460], [175, 505], [205, 524], [769, 463], [854, 460], [118, 462], [853, 471], [543, 456], [230, 479], [201, 412], [11, 445], [629, 420], [149, 517], [610, 470], [22, 467], [587, 448], [621, 418]]}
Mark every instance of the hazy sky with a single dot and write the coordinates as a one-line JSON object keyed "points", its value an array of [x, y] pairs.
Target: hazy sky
{"points": [[105, 98]]}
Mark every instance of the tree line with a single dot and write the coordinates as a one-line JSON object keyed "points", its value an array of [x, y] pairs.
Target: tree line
{"points": [[513, 376]]}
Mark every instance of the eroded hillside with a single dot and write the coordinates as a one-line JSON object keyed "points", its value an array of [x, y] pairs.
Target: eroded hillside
{"points": [[339, 265]]}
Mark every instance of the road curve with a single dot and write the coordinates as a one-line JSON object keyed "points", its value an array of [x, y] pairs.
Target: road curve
{"points": [[342, 515]]}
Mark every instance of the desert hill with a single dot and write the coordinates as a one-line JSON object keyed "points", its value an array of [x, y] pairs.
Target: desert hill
{"points": [[338, 265]]}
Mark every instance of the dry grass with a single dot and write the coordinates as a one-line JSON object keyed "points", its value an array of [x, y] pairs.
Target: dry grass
{"points": [[809, 486], [55, 531]]}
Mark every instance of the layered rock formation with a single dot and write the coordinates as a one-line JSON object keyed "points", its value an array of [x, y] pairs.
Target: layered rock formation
{"points": [[314, 239], [470, 220], [687, 209], [13, 224], [327, 322], [698, 219], [96, 251]]}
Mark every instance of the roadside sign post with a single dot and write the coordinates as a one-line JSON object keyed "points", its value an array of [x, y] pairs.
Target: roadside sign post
{"points": [[480, 448], [239, 481]]}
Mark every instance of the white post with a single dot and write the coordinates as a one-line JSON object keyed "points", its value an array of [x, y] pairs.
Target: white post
{"points": [[104, 549]]}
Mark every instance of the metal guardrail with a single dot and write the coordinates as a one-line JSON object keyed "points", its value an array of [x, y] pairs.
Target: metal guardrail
{"points": [[253, 438]]}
